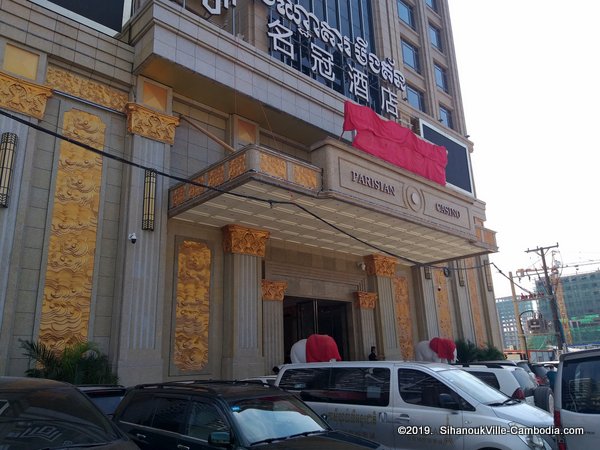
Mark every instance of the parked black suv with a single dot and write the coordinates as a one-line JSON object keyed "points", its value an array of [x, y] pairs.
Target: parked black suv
{"points": [[225, 414]]}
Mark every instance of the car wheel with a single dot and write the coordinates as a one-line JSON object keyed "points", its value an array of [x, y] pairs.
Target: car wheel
{"points": [[544, 398]]}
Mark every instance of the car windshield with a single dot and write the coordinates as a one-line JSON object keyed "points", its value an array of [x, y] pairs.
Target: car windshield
{"points": [[472, 385], [40, 418], [524, 379], [266, 419]]}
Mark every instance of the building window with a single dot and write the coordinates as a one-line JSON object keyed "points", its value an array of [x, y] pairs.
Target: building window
{"points": [[433, 4], [406, 13], [441, 78], [446, 116], [410, 56], [415, 98], [435, 36]]}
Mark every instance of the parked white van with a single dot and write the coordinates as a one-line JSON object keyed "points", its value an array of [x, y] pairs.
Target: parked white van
{"points": [[577, 400], [417, 405]]}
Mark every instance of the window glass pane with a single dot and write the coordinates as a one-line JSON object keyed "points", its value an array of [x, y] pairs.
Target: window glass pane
{"points": [[410, 56], [432, 4], [140, 410], [419, 388], [415, 98], [204, 419], [489, 378], [435, 36], [445, 117], [441, 79], [406, 13], [581, 385], [170, 414]]}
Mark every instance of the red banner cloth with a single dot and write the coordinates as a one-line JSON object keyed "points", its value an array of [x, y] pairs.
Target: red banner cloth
{"points": [[443, 347], [321, 348], [394, 143]]}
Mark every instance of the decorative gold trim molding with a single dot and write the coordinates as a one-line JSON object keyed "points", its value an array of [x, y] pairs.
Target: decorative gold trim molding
{"points": [[77, 86], [246, 241], [379, 265], [273, 165], [192, 311], [23, 96], [366, 300], [273, 290], [305, 177], [442, 304], [151, 124], [68, 285]]}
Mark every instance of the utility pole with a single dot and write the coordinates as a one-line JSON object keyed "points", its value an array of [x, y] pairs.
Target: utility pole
{"points": [[560, 334], [522, 338]]}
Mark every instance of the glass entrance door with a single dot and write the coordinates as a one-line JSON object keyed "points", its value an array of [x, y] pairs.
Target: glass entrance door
{"points": [[303, 317]]}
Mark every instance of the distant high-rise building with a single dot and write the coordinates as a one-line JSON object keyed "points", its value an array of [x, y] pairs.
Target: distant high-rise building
{"points": [[508, 322], [580, 294]]}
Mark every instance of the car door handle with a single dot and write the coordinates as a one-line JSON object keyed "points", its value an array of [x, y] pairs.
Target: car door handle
{"points": [[402, 418], [140, 436], [182, 447]]}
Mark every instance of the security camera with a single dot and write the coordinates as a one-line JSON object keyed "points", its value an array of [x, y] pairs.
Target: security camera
{"points": [[132, 238]]}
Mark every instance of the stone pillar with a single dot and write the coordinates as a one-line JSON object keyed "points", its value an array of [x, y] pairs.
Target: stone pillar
{"points": [[244, 250], [141, 328], [381, 270], [273, 293], [365, 303]]}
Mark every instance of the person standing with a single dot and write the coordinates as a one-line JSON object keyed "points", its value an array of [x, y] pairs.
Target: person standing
{"points": [[373, 354]]}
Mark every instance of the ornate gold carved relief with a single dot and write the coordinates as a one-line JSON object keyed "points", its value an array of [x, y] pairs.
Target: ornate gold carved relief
{"points": [[403, 317], [366, 300], [380, 265], [237, 166], [216, 176], [194, 190], [65, 81], [475, 305], [178, 196], [273, 290], [192, 311], [305, 177], [246, 241], [72, 245], [442, 304], [273, 166], [23, 96], [151, 124]]}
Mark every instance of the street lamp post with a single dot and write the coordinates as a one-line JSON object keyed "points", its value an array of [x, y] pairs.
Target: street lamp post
{"points": [[524, 336]]}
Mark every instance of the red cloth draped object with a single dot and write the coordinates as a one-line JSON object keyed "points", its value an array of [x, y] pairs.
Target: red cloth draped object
{"points": [[321, 348], [394, 143], [443, 347]]}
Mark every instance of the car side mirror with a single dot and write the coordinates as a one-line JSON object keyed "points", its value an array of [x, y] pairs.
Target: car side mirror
{"points": [[220, 438], [448, 402]]}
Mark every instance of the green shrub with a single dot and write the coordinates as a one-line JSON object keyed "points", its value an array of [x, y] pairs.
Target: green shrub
{"points": [[467, 351], [81, 363]]}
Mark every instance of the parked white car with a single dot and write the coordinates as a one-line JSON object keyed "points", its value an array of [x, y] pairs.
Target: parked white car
{"points": [[417, 405], [577, 400]]}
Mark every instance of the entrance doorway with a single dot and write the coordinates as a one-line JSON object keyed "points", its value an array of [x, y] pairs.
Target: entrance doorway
{"points": [[303, 317]]}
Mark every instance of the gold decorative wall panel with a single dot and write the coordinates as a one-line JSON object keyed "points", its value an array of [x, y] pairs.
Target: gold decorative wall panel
{"points": [[237, 166], [194, 190], [476, 310], [273, 166], [380, 265], [23, 96], [246, 241], [72, 244], [366, 300], [273, 290], [216, 176], [192, 311], [403, 317], [442, 304], [151, 124], [305, 177], [77, 86]]}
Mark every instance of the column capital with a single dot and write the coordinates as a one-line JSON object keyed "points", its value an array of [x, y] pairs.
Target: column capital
{"points": [[243, 240], [380, 265], [273, 290], [366, 300], [151, 124]]}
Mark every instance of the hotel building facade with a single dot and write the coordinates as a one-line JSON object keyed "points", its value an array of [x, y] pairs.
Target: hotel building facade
{"points": [[176, 185]]}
